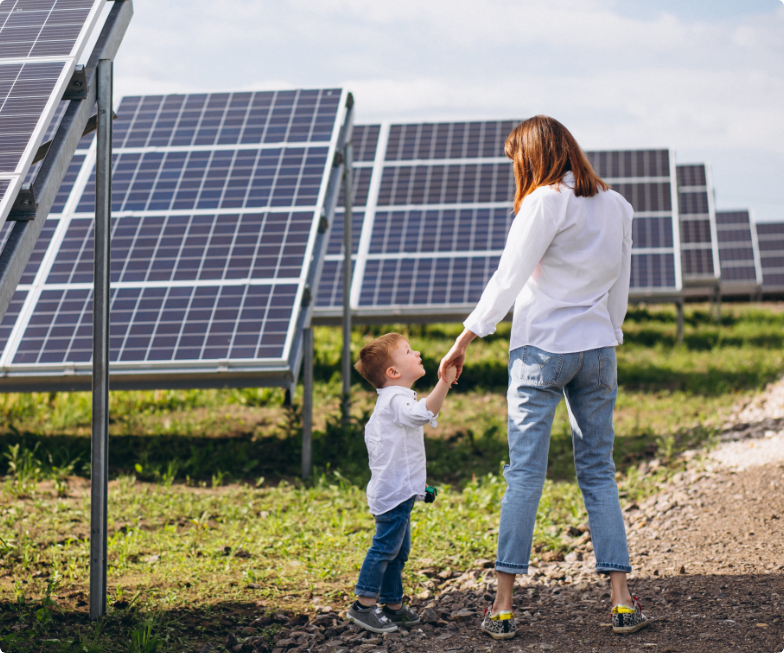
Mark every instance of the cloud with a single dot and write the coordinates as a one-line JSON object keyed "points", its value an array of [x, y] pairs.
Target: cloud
{"points": [[618, 80]]}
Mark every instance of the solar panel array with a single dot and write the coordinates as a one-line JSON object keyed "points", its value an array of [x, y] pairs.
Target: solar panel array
{"points": [[738, 253], [699, 241], [40, 42], [770, 236], [215, 209], [430, 228]]}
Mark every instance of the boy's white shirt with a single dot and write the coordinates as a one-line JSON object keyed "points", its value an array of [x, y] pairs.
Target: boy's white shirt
{"points": [[395, 439]]}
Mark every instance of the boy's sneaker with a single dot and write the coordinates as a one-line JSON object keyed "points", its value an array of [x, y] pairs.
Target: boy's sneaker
{"points": [[404, 617], [626, 619], [372, 619], [501, 625]]}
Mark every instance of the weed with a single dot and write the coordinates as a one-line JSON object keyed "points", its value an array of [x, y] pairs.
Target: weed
{"points": [[143, 640]]}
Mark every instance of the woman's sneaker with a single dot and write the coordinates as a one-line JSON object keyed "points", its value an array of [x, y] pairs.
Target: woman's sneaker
{"points": [[404, 617], [500, 625], [627, 619], [372, 619]]}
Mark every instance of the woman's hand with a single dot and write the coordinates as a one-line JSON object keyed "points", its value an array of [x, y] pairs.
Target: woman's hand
{"points": [[456, 356]]}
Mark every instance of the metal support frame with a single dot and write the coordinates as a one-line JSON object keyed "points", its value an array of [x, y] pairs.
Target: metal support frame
{"points": [[307, 402], [679, 309], [99, 474], [21, 241], [337, 176], [348, 187]]}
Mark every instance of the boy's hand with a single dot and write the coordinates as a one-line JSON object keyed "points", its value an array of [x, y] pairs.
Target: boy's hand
{"points": [[449, 375]]}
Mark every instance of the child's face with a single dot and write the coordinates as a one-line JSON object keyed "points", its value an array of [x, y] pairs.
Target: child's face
{"points": [[407, 363]]}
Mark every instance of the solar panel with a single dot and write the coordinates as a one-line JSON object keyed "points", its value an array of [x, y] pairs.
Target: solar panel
{"points": [[439, 206], [770, 236], [216, 205], [699, 240], [739, 257], [40, 42]]}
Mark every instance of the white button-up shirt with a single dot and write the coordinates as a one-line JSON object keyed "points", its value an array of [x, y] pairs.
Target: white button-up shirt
{"points": [[566, 268], [395, 439]]}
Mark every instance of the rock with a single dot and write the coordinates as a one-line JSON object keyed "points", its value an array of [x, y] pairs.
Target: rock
{"points": [[552, 556], [300, 619], [444, 575], [463, 615], [241, 553], [261, 622], [429, 616], [682, 569], [231, 641], [225, 550], [484, 563], [285, 643]]}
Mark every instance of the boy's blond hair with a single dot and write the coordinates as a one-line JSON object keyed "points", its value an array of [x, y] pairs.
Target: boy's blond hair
{"points": [[376, 358]]}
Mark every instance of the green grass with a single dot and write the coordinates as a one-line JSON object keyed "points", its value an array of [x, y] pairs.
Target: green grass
{"points": [[195, 472], [670, 397]]}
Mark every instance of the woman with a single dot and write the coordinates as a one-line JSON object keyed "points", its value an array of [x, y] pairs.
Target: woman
{"points": [[566, 269]]}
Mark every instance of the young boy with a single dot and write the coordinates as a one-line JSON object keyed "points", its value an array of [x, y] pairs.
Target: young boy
{"points": [[395, 440]]}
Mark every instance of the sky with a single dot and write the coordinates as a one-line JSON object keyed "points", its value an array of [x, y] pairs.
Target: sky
{"points": [[703, 77]]}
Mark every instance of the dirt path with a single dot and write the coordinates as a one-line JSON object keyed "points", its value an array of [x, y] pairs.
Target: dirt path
{"points": [[708, 554]]}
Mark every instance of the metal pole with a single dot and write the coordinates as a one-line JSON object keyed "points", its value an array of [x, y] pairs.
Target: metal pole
{"points": [[718, 305], [101, 279], [679, 308], [348, 183], [307, 401]]}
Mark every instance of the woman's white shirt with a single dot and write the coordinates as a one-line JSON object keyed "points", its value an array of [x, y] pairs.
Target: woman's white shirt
{"points": [[566, 268]]}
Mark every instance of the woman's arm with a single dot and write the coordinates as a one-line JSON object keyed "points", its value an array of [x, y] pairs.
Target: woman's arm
{"points": [[618, 297], [456, 356]]}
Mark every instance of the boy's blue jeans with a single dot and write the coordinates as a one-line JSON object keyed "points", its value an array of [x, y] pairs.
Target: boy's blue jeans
{"points": [[537, 380], [381, 574]]}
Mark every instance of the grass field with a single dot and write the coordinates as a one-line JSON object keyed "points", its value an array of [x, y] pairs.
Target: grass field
{"points": [[208, 521]]}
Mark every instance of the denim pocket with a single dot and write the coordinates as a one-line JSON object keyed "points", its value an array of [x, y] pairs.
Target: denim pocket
{"points": [[608, 373], [540, 367]]}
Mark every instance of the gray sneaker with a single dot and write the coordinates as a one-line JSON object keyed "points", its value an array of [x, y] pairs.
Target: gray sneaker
{"points": [[404, 617], [372, 619]]}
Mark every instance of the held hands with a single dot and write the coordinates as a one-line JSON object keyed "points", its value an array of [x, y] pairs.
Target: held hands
{"points": [[449, 376], [456, 357], [452, 364]]}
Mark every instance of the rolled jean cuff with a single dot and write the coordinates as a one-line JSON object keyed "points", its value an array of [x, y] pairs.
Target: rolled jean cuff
{"points": [[394, 600], [366, 592], [509, 568], [607, 567]]}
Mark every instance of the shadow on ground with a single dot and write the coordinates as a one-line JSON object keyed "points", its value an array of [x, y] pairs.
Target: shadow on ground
{"points": [[688, 613]]}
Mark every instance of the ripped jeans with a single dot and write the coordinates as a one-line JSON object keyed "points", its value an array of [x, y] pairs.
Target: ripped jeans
{"points": [[537, 380]]}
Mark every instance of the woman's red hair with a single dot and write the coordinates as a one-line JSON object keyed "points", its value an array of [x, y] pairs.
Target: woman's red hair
{"points": [[542, 151]]}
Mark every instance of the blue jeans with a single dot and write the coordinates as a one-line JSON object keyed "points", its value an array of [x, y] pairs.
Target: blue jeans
{"points": [[381, 576], [587, 380]]}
